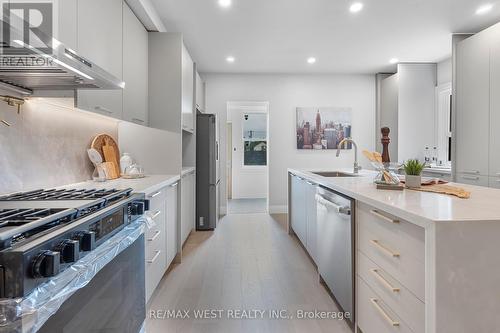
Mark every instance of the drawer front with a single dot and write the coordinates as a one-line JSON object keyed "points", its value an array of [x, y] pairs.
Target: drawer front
{"points": [[157, 200], [154, 271], [374, 315], [155, 236], [472, 179], [406, 305], [395, 245]]}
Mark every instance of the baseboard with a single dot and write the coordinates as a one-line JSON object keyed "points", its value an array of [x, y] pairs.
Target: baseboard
{"points": [[278, 209]]}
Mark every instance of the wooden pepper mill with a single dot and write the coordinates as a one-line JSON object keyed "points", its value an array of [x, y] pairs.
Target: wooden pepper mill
{"points": [[385, 144]]}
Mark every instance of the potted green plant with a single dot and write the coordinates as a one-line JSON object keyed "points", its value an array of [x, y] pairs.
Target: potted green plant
{"points": [[413, 170]]}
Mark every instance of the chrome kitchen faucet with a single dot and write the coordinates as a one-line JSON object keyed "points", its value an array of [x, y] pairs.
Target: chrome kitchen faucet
{"points": [[357, 167]]}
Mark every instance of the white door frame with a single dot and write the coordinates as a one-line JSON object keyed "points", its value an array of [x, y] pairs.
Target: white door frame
{"points": [[253, 107]]}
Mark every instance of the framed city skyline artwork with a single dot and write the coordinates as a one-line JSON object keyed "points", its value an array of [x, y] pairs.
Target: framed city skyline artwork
{"points": [[321, 128]]}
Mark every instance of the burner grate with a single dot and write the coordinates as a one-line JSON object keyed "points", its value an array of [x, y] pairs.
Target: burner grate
{"points": [[62, 194]]}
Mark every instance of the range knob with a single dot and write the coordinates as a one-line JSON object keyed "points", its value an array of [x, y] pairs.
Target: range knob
{"points": [[136, 208], [69, 250], [86, 240], [46, 264]]}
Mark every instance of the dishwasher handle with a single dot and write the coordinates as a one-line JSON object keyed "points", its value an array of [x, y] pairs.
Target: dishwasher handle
{"points": [[345, 210]]}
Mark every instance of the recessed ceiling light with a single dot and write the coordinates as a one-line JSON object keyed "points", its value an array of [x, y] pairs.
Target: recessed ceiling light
{"points": [[311, 60], [394, 61], [230, 59], [484, 9], [225, 3], [356, 7]]}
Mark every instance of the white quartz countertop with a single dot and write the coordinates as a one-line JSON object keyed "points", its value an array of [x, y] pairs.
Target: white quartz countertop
{"points": [[421, 208], [147, 184]]}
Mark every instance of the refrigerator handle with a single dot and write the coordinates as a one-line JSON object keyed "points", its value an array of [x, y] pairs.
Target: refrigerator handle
{"points": [[216, 150]]}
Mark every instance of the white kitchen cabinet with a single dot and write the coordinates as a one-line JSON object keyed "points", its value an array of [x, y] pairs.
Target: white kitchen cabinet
{"points": [[135, 69], [473, 105], [187, 91], [67, 27], [472, 179], [172, 223], [200, 93], [155, 241], [298, 210], [100, 40], [311, 223], [187, 205], [494, 121]]}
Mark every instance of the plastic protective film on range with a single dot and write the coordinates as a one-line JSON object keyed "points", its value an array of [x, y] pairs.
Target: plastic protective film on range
{"points": [[28, 314]]}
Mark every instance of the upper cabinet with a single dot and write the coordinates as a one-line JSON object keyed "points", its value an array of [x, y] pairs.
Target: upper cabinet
{"points": [[171, 83], [200, 93], [473, 84], [135, 69], [187, 91], [100, 25], [67, 15]]}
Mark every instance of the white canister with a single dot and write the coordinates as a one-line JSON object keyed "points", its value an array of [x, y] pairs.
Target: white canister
{"points": [[125, 161]]}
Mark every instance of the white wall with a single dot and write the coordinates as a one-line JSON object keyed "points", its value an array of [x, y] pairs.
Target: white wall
{"points": [[247, 181], [284, 93], [444, 71], [416, 105]]}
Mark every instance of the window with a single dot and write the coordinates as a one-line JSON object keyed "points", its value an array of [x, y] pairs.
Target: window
{"points": [[255, 139]]}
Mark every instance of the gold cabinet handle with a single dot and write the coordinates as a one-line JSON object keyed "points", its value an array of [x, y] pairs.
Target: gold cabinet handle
{"points": [[384, 248], [156, 214], [383, 217], [152, 260], [151, 196], [155, 236], [386, 283], [383, 313]]}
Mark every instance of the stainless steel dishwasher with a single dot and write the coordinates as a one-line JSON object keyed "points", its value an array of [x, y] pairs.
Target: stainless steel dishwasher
{"points": [[335, 246]]}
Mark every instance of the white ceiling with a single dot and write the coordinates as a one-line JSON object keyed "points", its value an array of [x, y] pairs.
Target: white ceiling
{"points": [[277, 36]]}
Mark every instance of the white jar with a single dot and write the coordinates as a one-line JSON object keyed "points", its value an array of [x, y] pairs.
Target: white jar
{"points": [[125, 162]]}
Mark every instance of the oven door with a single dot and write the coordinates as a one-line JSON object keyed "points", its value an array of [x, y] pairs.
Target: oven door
{"points": [[113, 301]]}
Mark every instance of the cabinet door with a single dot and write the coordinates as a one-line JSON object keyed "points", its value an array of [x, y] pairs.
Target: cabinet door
{"points": [[187, 216], [494, 152], [473, 99], [67, 26], [100, 40], [172, 230], [299, 224], [200, 93], [187, 91], [135, 69], [311, 215], [472, 179]]}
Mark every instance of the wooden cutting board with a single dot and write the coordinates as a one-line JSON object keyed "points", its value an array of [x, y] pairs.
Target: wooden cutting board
{"points": [[445, 189], [108, 148]]}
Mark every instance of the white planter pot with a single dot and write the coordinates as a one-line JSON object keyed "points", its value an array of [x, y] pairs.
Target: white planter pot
{"points": [[413, 181]]}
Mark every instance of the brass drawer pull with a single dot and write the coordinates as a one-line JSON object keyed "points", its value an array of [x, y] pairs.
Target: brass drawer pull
{"points": [[154, 195], [383, 217], [383, 313], [384, 248], [386, 283], [152, 260], [155, 236], [156, 214]]}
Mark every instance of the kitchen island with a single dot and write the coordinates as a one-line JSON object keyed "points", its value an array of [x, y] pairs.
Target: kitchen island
{"points": [[424, 262]]}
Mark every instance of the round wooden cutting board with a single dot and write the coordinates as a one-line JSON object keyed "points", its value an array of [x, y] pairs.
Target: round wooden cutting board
{"points": [[101, 140]]}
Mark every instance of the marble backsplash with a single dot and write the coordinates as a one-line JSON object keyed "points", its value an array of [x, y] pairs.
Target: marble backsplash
{"points": [[46, 144]]}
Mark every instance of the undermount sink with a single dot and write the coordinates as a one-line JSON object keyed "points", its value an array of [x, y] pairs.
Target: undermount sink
{"points": [[334, 174]]}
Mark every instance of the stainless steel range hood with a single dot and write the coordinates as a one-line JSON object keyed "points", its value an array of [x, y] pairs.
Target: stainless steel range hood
{"points": [[26, 69]]}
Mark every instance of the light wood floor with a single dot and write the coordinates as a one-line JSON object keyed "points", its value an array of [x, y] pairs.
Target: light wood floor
{"points": [[249, 262]]}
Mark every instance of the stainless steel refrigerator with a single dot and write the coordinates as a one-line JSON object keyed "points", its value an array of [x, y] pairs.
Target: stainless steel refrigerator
{"points": [[207, 172]]}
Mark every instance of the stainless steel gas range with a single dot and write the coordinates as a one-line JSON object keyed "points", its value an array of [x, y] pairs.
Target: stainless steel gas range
{"points": [[72, 260]]}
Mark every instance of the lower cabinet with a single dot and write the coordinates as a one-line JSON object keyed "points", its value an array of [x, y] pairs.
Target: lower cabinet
{"points": [[188, 208], [303, 213], [160, 239], [472, 179]]}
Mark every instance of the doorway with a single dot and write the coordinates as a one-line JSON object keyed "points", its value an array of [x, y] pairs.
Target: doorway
{"points": [[247, 157]]}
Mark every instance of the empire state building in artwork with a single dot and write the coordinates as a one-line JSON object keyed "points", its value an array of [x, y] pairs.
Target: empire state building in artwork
{"points": [[322, 128]]}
